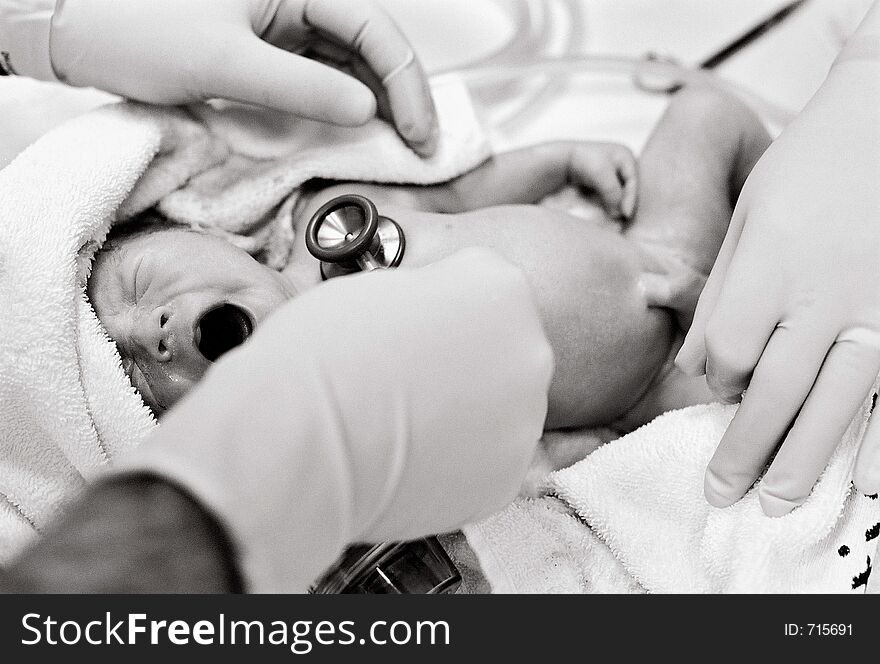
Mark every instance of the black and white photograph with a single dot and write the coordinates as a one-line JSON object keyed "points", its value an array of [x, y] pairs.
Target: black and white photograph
{"points": [[466, 298]]}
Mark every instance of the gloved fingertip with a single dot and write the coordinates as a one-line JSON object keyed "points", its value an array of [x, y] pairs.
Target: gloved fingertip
{"points": [[689, 362], [359, 107], [717, 490], [776, 506], [728, 398], [358, 110], [866, 475], [428, 146], [629, 204], [346, 101], [866, 481]]}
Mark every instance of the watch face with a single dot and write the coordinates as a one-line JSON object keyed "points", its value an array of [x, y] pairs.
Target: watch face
{"points": [[417, 567]]}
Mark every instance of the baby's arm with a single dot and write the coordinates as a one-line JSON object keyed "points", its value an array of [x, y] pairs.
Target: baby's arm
{"points": [[522, 176], [529, 174]]}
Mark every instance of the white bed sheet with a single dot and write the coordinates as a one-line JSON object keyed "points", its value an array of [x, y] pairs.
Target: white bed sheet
{"points": [[784, 67]]}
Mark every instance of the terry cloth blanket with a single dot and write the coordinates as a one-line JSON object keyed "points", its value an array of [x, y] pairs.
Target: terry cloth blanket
{"points": [[66, 407], [631, 518]]}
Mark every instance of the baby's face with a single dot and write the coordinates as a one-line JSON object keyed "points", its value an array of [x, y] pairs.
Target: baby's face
{"points": [[174, 301]]}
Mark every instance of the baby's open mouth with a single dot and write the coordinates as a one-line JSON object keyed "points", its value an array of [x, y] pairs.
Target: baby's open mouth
{"points": [[221, 329]]}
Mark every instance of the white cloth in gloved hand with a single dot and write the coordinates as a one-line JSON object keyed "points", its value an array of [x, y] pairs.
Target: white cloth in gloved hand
{"points": [[182, 51], [380, 406]]}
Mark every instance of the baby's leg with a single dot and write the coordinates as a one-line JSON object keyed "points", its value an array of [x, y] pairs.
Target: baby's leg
{"points": [[691, 172]]}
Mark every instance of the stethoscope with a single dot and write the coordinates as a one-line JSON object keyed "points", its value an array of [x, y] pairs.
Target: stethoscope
{"points": [[347, 234]]}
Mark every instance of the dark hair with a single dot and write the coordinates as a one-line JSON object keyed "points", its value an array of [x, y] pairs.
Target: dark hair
{"points": [[144, 224]]}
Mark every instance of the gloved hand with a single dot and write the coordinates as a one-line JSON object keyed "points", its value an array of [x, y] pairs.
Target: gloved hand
{"points": [[180, 51], [792, 307], [380, 406]]}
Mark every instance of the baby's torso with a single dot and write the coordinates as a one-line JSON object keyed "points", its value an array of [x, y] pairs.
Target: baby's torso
{"points": [[585, 278]]}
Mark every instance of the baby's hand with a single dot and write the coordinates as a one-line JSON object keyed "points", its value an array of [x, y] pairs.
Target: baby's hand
{"points": [[609, 170]]}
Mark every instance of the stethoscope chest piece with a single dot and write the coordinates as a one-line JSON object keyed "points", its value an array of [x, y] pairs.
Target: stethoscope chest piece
{"points": [[347, 235]]}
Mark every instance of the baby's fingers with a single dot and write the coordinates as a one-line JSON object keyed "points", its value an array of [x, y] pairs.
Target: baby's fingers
{"points": [[609, 170]]}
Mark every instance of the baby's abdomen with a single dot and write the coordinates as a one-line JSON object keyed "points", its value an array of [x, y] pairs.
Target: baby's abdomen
{"points": [[608, 344]]}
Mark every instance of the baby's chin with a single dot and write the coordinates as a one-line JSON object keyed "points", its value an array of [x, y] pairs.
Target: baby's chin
{"points": [[161, 394]]}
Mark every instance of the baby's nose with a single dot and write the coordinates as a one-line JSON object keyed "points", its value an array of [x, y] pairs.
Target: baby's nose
{"points": [[153, 334]]}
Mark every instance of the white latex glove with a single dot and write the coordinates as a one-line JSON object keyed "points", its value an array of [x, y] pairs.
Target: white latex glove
{"points": [[792, 307], [181, 51], [381, 406]]}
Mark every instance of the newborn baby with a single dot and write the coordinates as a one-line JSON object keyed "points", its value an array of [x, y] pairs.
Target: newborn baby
{"points": [[613, 296]]}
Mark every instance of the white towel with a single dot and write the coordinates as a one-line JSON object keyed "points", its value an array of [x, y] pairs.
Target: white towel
{"points": [[232, 169], [641, 496], [66, 407]]}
